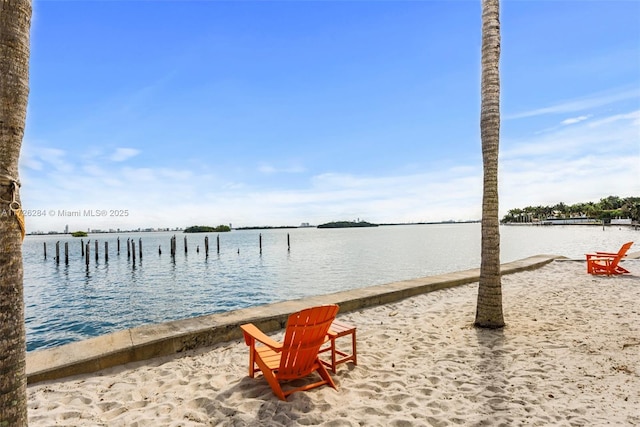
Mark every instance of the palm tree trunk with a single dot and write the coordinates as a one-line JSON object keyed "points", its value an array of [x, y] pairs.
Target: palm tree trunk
{"points": [[489, 308], [15, 23]]}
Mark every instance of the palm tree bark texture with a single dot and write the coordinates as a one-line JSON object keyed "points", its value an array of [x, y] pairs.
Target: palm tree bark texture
{"points": [[489, 307], [15, 24]]}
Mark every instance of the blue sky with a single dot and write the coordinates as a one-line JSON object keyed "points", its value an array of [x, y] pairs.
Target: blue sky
{"points": [[283, 112]]}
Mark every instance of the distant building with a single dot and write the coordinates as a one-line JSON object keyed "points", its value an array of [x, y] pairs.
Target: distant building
{"points": [[66, 229]]}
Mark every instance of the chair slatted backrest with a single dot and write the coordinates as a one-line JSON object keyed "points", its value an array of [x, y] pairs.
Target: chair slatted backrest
{"points": [[306, 332], [621, 253]]}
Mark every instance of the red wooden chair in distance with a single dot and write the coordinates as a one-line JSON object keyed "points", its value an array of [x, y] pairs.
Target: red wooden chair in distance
{"points": [[607, 262], [295, 357]]}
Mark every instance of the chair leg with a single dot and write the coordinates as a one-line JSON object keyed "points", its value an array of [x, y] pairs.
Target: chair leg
{"points": [[271, 379], [353, 349], [621, 270], [333, 354], [252, 355], [325, 374]]}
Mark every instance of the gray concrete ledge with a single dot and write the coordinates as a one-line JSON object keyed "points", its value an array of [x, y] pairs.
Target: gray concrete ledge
{"points": [[156, 340]]}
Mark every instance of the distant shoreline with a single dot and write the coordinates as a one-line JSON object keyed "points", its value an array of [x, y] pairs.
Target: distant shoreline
{"points": [[286, 227], [257, 227]]}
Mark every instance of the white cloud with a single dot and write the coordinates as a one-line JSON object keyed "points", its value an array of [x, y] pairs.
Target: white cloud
{"points": [[618, 132], [30, 162], [45, 159], [267, 169], [583, 179], [633, 117], [122, 154], [176, 175], [168, 198], [575, 120], [581, 163], [270, 169], [581, 104]]}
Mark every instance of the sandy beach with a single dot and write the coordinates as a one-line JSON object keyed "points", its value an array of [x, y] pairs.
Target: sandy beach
{"points": [[570, 355]]}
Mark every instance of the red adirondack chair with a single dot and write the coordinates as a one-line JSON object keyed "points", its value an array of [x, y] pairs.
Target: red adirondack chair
{"points": [[607, 262], [297, 356]]}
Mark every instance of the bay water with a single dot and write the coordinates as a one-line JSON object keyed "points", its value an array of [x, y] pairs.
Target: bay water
{"points": [[75, 301]]}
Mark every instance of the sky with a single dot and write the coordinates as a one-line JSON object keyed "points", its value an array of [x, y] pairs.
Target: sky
{"points": [[168, 114]]}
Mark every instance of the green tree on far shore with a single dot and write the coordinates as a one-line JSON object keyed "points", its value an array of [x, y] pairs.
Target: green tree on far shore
{"points": [[207, 229]]}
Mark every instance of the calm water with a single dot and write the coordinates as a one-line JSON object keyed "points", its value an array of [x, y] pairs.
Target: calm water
{"points": [[66, 303]]}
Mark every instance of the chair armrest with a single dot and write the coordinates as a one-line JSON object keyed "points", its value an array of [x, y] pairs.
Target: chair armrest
{"points": [[251, 332], [600, 255], [607, 260]]}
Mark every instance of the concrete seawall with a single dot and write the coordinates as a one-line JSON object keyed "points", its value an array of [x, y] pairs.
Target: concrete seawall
{"points": [[156, 340]]}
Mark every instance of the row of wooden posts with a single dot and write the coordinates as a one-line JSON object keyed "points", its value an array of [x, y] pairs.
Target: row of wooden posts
{"points": [[131, 248]]}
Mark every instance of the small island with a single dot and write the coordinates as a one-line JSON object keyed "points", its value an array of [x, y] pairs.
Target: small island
{"points": [[79, 234], [347, 224], [207, 229]]}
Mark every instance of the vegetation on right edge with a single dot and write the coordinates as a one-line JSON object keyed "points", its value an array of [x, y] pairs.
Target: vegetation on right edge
{"points": [[606, 209]]}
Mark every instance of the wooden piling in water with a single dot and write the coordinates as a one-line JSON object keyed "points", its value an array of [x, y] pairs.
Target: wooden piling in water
{"points": [[106, 251], [86, 252], [128, 248], [159, 249], [218, 242], [140, 248], [82, 247], [206, 246], [66, 252], [96, 245], [118, 245], [58, 252], [260, 242], [45, 250], [288, 243], [185, 244], [133, 251]]}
